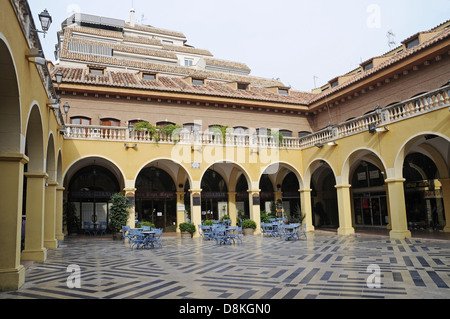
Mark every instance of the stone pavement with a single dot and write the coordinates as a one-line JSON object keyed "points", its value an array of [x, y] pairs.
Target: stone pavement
{"points": [[325, 266]]}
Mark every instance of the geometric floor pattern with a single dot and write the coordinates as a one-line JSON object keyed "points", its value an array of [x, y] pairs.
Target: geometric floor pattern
{"points": [[325, 266]]}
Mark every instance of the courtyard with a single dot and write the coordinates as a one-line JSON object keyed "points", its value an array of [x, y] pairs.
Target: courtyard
{"points": [[325, 266]]}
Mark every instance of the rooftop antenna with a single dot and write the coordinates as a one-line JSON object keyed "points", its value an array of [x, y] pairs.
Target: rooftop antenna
{"points": [[391, 39]]}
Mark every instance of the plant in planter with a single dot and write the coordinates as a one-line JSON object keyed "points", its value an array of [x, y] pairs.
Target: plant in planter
{"points": [[187, 230], [118, 213], [70, 218], [248, 227], [172, 132], [150, 129]]}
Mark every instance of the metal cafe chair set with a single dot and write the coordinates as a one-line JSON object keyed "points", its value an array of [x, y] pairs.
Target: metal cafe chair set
{"points": [[95, 228], [284, 231], [222, 234], [144, 237]]}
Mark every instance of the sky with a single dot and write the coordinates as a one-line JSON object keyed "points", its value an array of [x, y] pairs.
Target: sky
{"points": [[303, 43]]}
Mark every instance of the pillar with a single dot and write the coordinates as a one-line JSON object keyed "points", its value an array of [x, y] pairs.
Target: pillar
{"points": [[12, 273], [180, 209], [59, 227], [445, 187], [50, 241], [397, 208], [34, 230], [196, 209], [305, 200], [232, 207], [345, 210], [255, 209], [130, 193]]}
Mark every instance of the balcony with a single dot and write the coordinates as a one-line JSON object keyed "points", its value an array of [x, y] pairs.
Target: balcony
{"points": [[377, 121]]}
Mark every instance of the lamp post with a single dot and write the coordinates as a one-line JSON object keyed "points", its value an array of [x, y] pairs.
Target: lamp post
{"points": [[59, 77], [66, 108], [46, 20]]}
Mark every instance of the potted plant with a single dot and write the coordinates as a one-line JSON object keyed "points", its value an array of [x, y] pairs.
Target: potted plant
{"points": [[187, 230], [71, 219], [118, 213], [248, 227]]}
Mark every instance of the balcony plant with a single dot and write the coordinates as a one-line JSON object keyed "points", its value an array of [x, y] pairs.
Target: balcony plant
{"points": [[248, 227], [152, 131], [187, 230], [118, 213], [172, 132]]}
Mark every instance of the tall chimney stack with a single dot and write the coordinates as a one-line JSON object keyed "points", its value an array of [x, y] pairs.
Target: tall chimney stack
{"points": [[132, 17]]}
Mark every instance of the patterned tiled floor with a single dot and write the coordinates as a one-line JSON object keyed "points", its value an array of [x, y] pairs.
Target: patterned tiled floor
{"points": [[324, 266]]}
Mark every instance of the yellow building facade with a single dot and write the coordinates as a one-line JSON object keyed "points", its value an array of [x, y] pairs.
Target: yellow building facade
{"points": [[388, 143]]}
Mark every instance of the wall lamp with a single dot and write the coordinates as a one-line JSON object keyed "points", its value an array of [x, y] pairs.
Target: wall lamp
{"points": [[255, 151], [127, 146], [46, 20], [53, 104], [374, 129], [198, 149], [334, 143], [319, 145]]}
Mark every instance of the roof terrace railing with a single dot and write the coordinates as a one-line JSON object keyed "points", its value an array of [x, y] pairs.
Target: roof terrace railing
{"points": [[379, 118]]}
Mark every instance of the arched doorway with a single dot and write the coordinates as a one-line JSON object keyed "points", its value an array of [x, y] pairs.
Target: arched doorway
{"points": [[324, 197], [90, 190], [291, 197], [267, 194], [89, 184], [214, 195], [156, 198], [423, 194], [369, 195], [242, 199]]}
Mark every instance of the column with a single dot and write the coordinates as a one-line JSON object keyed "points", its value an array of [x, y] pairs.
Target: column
{"points": [[232, 207], [50, 241], [34, 229], [345, 210], [397, 209], [180, 209], [59, 213], [12, 273], [255, 209], [445, 187], [130, 193], [196, 209], [305, 200]]}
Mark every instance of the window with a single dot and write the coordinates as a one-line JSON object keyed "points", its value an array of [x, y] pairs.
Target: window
{"points": [[167, 42], [240, 130], [192, 127], [412, 44], [283, 91], [80, 120], [286, 133], [303, 134], [198, 82], [188, 62], [242, 86], [368, 66], [96, 71], [148, 76], [163, 124], [110, 122], [334, 84]]}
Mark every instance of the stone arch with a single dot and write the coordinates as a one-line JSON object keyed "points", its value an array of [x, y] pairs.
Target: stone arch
{"points": [[50, 163], [355, 156], [34, 140]]}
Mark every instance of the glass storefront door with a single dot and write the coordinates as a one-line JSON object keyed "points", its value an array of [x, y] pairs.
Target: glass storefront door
{"points": [[370, 211]]}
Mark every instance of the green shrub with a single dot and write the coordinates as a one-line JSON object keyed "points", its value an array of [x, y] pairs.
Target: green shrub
{"points": [[119, 212], [187, 227], [248, 223]]}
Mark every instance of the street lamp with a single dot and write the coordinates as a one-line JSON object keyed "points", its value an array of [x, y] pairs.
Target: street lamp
{"points": [[46, 20], [66, 108], [59, 77]]}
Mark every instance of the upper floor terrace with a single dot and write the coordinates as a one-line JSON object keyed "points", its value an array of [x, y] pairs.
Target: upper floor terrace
{"points": [[377, 121]]}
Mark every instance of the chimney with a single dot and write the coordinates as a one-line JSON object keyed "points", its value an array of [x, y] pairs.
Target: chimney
{"points": [[132, 17]]}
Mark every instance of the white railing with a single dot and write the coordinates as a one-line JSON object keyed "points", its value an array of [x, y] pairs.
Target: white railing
{"points": [[379, 118]]}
